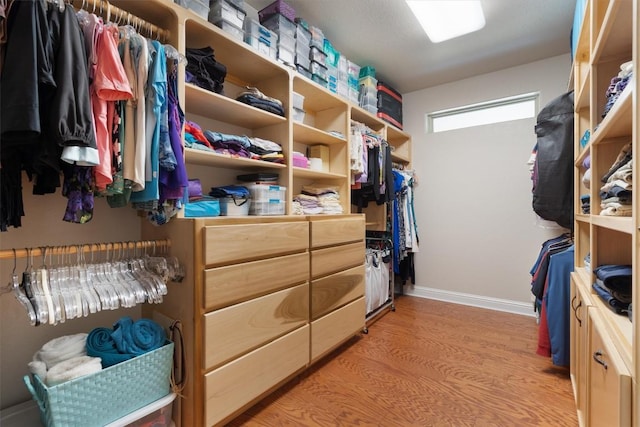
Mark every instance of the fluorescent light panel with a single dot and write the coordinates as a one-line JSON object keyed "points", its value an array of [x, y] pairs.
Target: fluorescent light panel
{"points": [[446, 19]]}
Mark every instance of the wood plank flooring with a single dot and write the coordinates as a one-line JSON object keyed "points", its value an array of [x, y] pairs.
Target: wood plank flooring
{"points": [[429, 363]]}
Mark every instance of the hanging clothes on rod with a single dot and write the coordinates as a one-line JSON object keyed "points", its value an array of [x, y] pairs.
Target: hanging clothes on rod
{"points": [[63, 286], [371, 171], [85, 72], [551, 285], [405, 230]]}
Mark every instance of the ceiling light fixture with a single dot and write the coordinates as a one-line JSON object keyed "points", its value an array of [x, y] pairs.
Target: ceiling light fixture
{"points": [[446, 19]]}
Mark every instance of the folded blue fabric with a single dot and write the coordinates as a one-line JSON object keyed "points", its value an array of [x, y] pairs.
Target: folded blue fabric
{"points": [[101, 344], [615, 277], [616, 305], [137, 337]]}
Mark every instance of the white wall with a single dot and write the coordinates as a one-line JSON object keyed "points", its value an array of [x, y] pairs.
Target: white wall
{"points": [[41, 226], [479, 236]]}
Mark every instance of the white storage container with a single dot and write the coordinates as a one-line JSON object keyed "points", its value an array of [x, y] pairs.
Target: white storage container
{"points": [[287, 42], [297, 100], [253, 28], [201, 7], [231, 29], [271, 207], [223, 10], [298, 115], [234, 207], [267, 192], [262, 45], [286, 56], [281, 25]]}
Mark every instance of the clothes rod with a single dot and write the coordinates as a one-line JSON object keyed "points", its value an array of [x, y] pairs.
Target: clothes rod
{"points": [[85, 247], [121, 17]]}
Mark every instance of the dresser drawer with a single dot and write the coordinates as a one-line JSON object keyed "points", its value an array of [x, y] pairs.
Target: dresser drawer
{"points": [[235, 330], [232, 387], [234, 283], [336, 290], [330, 260], [224, 244], [336, 231], [334, 328]]}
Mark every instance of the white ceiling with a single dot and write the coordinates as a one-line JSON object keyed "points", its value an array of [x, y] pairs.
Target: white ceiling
{"points": [[384, 34]]}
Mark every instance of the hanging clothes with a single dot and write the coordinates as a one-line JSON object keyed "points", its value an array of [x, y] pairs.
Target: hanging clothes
{"points": [[372, 177], [554, 329], [45, 70], [405, 230], [111, 126]]}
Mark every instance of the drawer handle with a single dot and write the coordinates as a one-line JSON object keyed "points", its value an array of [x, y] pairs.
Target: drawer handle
{"points": [[597, 356], [575, 313]]}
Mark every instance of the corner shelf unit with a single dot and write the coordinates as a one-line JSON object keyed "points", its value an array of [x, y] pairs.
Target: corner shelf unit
{"points": [[604, 347]]}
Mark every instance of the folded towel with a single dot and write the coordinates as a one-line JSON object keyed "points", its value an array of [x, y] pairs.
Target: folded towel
{"points": [[137, 337], [62, 348], [72, 368], [101, 344], [39, 368]]}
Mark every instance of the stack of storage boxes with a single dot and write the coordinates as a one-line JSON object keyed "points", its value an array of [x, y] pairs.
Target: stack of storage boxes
{"points": [[389, 105], [200, 7], [303, 48], [368, 91], [228, 15], [298, 107], [279, 18], [260, 38], [318, 58], [331, 61], [267, 199], [353, 77]]}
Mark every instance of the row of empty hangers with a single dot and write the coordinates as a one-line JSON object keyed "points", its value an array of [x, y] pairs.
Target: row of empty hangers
{"points": [[60, 283]]}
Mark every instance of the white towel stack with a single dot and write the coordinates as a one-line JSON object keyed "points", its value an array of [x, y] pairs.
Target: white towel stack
{"points": [[63, 359]]}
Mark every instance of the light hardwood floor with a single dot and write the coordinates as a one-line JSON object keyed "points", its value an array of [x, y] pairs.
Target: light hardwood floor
{"points": [[429, 363]]}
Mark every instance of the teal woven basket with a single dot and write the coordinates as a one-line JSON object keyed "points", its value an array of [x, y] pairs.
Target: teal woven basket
{"points": [[103, 397]]}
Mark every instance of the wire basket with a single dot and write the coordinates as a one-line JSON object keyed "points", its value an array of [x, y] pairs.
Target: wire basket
{"points": [[102, 397]]}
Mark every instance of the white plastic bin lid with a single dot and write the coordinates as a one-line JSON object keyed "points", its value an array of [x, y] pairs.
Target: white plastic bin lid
{"points": [[144, 411], [25, 414]]}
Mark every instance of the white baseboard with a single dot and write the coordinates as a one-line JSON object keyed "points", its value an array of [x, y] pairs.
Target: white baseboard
{"points": [[516, 307]]}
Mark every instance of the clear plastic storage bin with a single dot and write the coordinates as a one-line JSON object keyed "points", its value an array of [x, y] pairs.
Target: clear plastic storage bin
{"points": [[281, 25], [200, 7], [230, 206], [267, 192], [223, 10], [285, 55], [272, 207], [231, 29], [253, 28]]}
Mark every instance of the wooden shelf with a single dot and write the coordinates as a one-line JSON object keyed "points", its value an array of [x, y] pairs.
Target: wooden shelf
{"points": [[613, 39], [207, 158], [316, 97], [400, 158], [309, 135], [209, 104], [242, 61], [313, 174], [618, 121], [363, 116], [621, 224]]}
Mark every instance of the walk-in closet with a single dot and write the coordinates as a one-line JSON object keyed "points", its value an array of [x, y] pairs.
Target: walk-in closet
{"points": [[292, 212]]}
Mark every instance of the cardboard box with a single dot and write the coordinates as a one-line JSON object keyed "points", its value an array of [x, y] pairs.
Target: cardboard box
{"points": [[321, 151]]}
